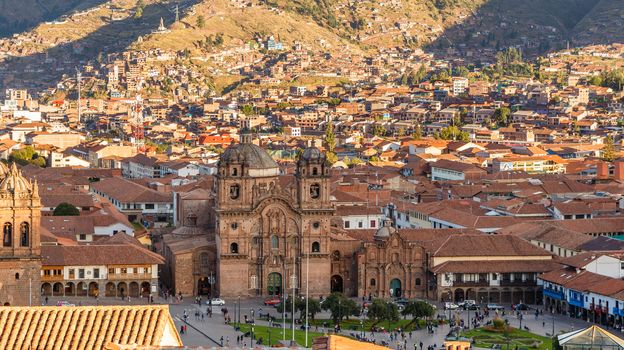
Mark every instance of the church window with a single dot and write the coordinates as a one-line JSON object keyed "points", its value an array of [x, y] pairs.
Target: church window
{"points": [[17, 275], [234, 191], [234, 171], [234, 248], [7, 235], [24, 234], [274, 242], [234, 226], [316, 224], [203, 259], [335, 255], [316, 247], [373, 282], [418, 281], [314, 171], [315, 191]]}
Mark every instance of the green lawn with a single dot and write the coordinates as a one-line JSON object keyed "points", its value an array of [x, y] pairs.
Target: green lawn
{"points": [[276, 334], [518, 339], [354, 324]]}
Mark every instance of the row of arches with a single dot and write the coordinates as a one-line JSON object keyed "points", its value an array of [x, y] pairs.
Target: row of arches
{"points": [[92, 289], [493, 295], [7, 234]]}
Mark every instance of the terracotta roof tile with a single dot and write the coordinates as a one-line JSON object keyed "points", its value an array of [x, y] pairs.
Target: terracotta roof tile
{"points": [[86, 327]]}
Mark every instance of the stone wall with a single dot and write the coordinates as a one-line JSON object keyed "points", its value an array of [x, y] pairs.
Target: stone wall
{"points": [[16, 289]]}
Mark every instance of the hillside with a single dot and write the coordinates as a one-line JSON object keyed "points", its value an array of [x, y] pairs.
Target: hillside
{"points": [[20, 15]]}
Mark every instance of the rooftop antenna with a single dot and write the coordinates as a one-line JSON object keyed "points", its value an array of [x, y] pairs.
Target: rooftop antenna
{"points": [[78, 78]]}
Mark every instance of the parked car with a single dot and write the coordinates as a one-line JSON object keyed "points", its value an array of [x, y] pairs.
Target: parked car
{"points": [[450, 306], [469, 304], [273, 301], [521, 307], [215, 302], [401, 301], [495, 307], [64, 303]]}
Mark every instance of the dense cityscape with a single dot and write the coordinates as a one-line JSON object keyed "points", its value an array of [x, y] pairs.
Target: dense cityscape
{"points": [[319, 174]]}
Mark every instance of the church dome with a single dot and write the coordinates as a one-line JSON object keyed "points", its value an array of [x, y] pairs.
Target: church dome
{"points": [[14, 181], [385, 231], [249, 155], [313, 155]]}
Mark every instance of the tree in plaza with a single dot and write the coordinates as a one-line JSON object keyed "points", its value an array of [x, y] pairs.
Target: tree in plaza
{"points": [[289, 306], [608, 151], [66, 209], [418, 309], [314, 307], [381, 310], [340, 307]]}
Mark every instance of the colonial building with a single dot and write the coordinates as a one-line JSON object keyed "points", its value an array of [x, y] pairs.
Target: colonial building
{"points": [[20, 251]]}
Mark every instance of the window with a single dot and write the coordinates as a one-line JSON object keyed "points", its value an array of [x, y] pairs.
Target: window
{"points": [[234, 171], [315, 191], [111, 271], [82, 237], [234, 226], [81, 273], [234, 191], [418, 281], [24, 234], [234, 248], [274, 242], [7, 235], [360, 224], [373, 282], [316, 247], [314, 171], [204, 259], [96, 273], [17, 275], [316, 224], [124, 270], [72, 273], [149, 205], [347, 224], [335, 255], [373, 223]]}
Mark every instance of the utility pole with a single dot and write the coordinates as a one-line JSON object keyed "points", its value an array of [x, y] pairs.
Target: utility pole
{"points": [[293, 301], [78, 78], [307, 293]]}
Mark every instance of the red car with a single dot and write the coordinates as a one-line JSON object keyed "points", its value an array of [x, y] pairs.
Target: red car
{"points": [[272, 301]]}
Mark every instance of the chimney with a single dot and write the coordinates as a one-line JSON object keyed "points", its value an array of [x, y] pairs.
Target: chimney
{"points": [[618, 174], [602, 169]]}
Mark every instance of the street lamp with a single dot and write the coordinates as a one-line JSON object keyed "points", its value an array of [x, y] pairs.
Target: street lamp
{"points": [[362, 327]]}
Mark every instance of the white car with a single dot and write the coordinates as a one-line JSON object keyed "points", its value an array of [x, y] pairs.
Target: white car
{"points": [[215, 302], [450, 306]]}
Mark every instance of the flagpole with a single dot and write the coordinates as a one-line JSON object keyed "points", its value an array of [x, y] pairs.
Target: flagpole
{"points": [[307, 295]]}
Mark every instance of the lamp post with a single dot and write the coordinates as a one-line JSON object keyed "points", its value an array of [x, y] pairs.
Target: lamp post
{"points": [[252, 337]]}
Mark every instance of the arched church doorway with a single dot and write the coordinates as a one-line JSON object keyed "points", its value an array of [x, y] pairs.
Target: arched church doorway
{"points": [[336, 284], [203, 287], [395, 288], [274, 285]]}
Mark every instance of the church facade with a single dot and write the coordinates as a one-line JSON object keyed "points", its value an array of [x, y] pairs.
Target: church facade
{"points": [[267, 232]]}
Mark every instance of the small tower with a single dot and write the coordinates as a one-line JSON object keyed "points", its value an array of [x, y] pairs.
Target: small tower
{"points": [[313, 179], [20, 246]]}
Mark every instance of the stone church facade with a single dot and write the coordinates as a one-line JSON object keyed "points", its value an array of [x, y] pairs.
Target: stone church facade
{"points": [[267, 230], [20, 249]]}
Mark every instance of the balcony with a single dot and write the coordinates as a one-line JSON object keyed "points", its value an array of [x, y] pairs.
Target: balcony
{"points": [[517, 283], [553, 294], [50, 278], [479, 283], [129, 276]]}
